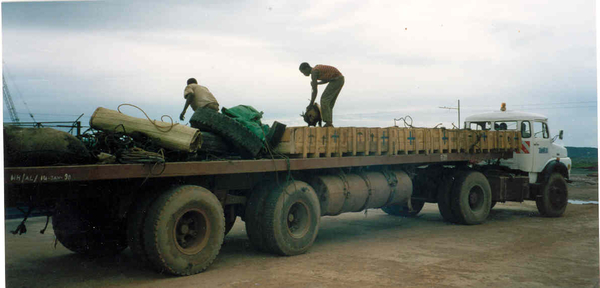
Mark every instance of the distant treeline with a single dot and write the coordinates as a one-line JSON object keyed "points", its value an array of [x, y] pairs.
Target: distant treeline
{"points": [[583, 157]]}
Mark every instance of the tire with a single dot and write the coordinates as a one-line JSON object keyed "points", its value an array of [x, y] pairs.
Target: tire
{"points": [[214, 144], [253, 215], [135, 225], [83, 229], [291, 219], [444, 200], [275, 133], [184, 230], [471, 198], [247, 144], [403, 210], [553, 199]]}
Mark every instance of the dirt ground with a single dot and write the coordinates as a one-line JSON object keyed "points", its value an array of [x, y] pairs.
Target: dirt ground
{"points": [[514, 248]]}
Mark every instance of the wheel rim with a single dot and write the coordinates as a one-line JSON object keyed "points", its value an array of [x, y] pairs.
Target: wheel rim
{"points": [[191, 231], [298, 220], [476, 198], [557, 195]]}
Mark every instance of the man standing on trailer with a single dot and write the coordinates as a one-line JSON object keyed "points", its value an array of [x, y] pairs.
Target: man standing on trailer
{"points": [[327, 74], [198, 97]]}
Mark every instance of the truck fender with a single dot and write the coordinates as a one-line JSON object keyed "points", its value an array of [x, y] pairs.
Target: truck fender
{"points": [[551, 167]]}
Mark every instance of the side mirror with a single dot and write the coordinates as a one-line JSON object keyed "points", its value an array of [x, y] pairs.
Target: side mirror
{"points": [[560, 135]]}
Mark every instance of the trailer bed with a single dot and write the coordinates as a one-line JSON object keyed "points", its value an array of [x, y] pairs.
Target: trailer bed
{"points": [[50, 174]]}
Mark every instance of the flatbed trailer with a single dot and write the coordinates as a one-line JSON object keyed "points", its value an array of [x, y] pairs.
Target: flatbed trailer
{"points": [[174, 215], [82, 173]]}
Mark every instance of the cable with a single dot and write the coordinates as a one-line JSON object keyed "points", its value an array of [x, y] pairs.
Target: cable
{"points": [[18, 92], [152, 121], [534, 104], [406, 124]]}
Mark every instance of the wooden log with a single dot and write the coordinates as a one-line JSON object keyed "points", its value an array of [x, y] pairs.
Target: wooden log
{"points": [[174, 137]]}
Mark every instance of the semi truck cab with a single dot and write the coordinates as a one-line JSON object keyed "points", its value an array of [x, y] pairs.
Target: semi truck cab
{"points": [[538, 151]]}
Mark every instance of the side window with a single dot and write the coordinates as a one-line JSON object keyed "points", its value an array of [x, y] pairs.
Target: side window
{"points": [[525, 129], [541, 130], [480, 125], [505, 125]]}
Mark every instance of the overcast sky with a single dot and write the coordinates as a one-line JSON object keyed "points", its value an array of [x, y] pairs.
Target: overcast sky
{"points": [[398, 57]]}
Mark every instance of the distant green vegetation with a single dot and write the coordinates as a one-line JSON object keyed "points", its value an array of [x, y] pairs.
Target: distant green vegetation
{"points": [[583, 157]]}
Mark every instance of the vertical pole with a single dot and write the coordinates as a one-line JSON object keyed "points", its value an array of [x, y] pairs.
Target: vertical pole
{"points": [[459, 114], [78, 128]]}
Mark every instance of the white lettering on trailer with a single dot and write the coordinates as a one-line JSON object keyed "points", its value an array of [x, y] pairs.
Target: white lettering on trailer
{"points": [[24, 178]]}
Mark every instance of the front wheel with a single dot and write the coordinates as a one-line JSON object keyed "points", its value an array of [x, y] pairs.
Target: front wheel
{"points": [[184, 230], [553, 199]]}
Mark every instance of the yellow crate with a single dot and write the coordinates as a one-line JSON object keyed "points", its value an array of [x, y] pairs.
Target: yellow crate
{"points": [[312, 142]]}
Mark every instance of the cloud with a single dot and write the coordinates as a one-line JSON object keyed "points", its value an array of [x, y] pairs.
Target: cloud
{"points": [[399, 58]]}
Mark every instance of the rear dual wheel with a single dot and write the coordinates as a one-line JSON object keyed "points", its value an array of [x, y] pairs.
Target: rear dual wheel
{"points": [[467, 199], [82, 227], [283, 219], [183, 230]]}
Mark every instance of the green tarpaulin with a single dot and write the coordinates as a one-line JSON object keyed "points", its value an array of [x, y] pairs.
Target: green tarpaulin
{"points": [[249, 117]]}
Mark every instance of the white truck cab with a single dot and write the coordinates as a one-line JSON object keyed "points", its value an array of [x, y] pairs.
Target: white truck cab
{"points": [[538, 150]]}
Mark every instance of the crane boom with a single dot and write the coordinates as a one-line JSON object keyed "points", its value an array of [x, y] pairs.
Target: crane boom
{"points": [[9, 103]]}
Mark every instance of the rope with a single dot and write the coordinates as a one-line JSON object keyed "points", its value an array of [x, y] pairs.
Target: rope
{"points": [[365, 178], [137, 155], [392, 183], [21, 229], [152, 121], [406, 124]]}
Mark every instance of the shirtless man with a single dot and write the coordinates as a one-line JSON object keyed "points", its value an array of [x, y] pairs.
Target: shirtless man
{"points": [[327, 74], [198, 97]]}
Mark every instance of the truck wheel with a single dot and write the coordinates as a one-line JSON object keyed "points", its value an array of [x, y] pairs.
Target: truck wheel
{"points": [[444, 200], [291, 218], [403, 210], [247, 144], [471, 198], [253, 215], [184, 230], [82, 231], [135, 225], [554, 196]]}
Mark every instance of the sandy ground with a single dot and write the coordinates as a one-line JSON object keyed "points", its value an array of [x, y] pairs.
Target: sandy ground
{"points": [[514, 248]]}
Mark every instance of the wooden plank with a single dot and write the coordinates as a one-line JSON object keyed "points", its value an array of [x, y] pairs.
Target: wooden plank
{"points": [[305, 146], [367, 141], [378, 141], [354, 144]]}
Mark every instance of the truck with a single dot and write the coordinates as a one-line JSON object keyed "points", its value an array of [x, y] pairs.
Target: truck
{"points": [[175, 215]]}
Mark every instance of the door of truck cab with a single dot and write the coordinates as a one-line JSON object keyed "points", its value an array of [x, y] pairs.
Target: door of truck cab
{"points": [[525, 155], [540, 145]]}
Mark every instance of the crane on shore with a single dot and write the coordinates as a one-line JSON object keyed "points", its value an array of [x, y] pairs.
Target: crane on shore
{"points": [[9, 103]]}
